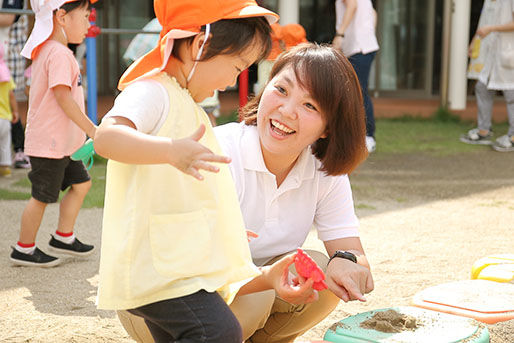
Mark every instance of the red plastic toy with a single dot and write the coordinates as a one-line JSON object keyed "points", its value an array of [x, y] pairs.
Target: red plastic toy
{"points": [[307, 268]]}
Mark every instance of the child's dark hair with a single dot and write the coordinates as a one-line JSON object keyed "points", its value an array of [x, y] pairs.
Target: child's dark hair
{"points": [[330, 79], [70, 6], [231, 36]]}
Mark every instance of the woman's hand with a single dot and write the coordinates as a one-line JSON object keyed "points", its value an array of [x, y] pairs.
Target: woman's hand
{"points": [[348, 280], [337, 42], [293, 289], [189, 156]]}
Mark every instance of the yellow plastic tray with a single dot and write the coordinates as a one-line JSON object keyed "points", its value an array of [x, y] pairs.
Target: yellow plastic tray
{"points": [[499, 268]]}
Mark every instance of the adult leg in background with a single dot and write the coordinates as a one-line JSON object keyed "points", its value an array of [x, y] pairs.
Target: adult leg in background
{"points": [[362, 65], [509, 98], [485, 106]]}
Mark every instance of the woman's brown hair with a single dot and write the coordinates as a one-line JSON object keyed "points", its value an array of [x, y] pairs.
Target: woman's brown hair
{"points": [[330, 79]]}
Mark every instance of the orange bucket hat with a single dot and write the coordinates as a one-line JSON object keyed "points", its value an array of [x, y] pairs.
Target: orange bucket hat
{"points": [[293, 34], [284, 38], [184, 18], [43, 25]]}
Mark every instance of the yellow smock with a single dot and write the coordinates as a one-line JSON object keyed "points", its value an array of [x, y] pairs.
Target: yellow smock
{"points": [[166, 234], [5, 103]]}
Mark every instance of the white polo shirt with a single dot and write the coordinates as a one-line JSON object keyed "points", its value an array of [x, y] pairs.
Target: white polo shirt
{"points": [[284, 216]]}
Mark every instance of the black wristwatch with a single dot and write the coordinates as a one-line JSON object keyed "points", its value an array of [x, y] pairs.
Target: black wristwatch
{"points": [[344, 254]]}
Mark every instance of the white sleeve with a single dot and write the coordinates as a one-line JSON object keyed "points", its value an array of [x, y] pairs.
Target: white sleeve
{"points": [[335, 214], [145, 103]]}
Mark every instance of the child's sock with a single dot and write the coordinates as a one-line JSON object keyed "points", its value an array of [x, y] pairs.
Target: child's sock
{"points": [[25, 248], [66, 238]]}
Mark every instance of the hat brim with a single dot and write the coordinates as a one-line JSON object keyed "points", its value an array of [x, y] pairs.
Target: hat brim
{"points": [[40, 33], [254, 11]]}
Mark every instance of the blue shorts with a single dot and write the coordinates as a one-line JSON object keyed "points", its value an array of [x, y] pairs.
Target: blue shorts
{"points": [[49, 176]]}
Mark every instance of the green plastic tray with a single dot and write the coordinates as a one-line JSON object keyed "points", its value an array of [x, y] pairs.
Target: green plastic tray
{"points": [[435, 327]]}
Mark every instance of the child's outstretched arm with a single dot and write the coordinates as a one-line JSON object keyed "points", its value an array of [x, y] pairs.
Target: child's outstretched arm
{"points": [[118, 139], [63, 96]]}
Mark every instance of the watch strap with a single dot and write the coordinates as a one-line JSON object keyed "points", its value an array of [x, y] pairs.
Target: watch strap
{"points": [[344, 254]]}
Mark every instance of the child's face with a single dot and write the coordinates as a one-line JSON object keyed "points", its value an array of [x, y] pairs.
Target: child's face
{"points": [[220, 72], [288, 118], [76, 24]]}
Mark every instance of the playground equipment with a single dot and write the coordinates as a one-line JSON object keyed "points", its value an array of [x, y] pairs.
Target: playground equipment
{"points": [[486, 301], [499, 268], [91, 61], [419, 325]]}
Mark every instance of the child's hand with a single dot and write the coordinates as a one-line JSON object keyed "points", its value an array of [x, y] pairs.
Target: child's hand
{"points": [[15, 117], [189, 156], [293, 289]]}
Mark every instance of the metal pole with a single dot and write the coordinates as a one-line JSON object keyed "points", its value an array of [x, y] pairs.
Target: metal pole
{"points": [[243, 88], [92, 94], [457, 83], [445, 51], [289, 11]]}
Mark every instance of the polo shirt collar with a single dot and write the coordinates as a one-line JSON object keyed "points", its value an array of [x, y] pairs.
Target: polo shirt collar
{"points": [[251, 149], [305, 167]]}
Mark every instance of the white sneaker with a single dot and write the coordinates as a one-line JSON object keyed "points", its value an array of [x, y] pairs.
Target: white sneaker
{"points": [[504, 144], [371, 144]]}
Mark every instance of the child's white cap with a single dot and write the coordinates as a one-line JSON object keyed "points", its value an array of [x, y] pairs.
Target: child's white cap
{"points": [[43, 24]]}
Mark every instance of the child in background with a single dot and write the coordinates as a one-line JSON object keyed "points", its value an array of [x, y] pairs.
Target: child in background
{"points": [[174, 248], [56, 127], [8, 115]]}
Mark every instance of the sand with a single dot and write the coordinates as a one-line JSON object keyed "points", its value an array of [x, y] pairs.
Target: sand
{"points": [[424, 221]]}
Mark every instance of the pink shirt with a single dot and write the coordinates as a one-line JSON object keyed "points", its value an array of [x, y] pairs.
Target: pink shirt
{"points": [[50, 133]]}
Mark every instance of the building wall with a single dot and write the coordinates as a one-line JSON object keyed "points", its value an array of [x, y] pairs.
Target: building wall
{"points": [[409, 33]]}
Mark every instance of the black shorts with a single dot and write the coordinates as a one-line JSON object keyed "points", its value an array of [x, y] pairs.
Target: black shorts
{"points": [[49, 176]]}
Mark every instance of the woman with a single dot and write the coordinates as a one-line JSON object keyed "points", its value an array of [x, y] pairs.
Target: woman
{"points": [[355, 37], [290, 156], [299, 138]]}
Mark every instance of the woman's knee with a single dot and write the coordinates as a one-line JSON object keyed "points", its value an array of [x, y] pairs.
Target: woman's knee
{"points": [[253, 310]]}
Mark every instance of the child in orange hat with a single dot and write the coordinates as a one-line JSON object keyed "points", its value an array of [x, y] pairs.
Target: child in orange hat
{"points": [[56, 127], [174, 247]]}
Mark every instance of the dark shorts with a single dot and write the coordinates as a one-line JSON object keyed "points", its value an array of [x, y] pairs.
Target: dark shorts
{"points": [[49, 176], [198, 317]]}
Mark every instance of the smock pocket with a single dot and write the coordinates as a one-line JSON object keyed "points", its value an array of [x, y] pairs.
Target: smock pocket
{"points": [[507, 50], [180, 244]]}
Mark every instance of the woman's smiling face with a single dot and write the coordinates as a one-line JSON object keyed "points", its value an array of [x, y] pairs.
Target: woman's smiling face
{"points": [[288, 118]]}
